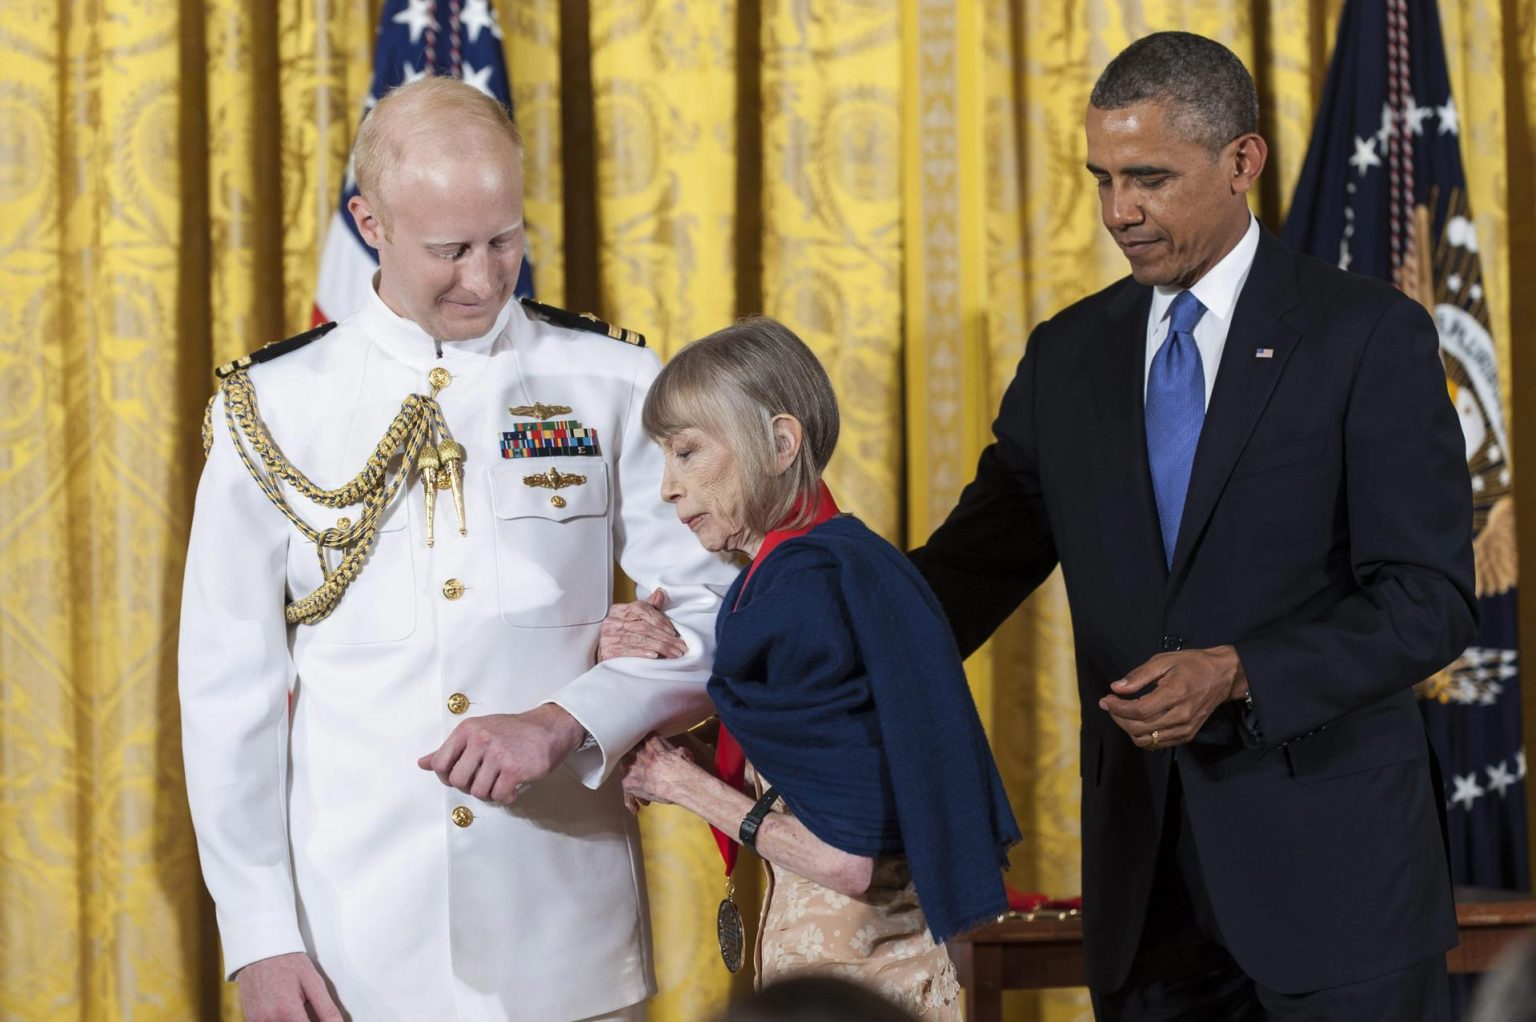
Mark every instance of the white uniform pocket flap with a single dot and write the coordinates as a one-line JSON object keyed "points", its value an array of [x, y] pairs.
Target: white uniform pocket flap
{"points": [[553, 488]]}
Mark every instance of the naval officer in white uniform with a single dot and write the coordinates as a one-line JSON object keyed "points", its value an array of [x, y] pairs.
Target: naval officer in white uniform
{"points": [[402, 785]]}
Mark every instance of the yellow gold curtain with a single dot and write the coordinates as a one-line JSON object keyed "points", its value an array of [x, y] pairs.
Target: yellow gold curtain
{"points": [[96, 916], [900, 182]]}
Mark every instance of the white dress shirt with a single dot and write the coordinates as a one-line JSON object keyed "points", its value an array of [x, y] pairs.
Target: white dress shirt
{"points": [[1217, 291]]}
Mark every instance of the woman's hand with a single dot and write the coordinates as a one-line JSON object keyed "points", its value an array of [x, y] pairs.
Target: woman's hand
{"points": [[639, 629], [657, 771]]}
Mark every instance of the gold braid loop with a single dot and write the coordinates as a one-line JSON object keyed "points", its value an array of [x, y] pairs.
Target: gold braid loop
{"points": [[208, 424], [374, 488], [318, 605]]}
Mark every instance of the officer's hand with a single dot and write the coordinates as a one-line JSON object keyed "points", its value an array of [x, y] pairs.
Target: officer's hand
{"points": [[277, 989], [493, 756], [1190, 684], [639, 629]]}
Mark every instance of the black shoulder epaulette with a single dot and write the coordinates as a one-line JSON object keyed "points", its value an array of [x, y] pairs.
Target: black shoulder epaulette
{"points": [[268, 352], [584, 321]]}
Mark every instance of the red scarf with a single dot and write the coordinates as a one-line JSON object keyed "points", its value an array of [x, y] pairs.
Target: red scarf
{"points": [[730, 760]]}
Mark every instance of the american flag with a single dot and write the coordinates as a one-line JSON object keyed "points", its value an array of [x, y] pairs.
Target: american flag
{"points": [[417, 38], [1383, 192]]}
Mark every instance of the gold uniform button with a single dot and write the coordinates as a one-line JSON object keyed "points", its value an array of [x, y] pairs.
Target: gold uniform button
{"points": [[343, 524], [453, 588], [557, 500], [439, 378], [462, 817], [458, 702]]}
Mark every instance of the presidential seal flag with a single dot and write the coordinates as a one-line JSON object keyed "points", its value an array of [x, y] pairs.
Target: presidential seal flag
{"points": [[1383, 192], [417, 38]]}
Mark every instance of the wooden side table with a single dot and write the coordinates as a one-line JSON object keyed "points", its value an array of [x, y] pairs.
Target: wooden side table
{"points": [[1033, 953], [1030, 952], [1488, 921]]}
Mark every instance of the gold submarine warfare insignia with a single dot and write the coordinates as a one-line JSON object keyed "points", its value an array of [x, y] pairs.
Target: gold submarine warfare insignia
{"points": [[540, 410], [554, 479]]}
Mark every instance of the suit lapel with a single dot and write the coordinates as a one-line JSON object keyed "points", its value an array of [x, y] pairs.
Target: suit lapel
{"points": [[1119, 392], [1243, 386]]}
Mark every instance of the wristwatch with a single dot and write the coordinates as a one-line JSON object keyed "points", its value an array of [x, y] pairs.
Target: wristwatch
{"points": [[754, 818]]}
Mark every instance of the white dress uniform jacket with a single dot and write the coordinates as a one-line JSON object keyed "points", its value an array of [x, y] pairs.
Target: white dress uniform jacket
{"points": [[316, 829]]}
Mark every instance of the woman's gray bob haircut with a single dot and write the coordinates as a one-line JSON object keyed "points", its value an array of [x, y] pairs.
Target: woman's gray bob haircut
{"points": [[731, 385]]}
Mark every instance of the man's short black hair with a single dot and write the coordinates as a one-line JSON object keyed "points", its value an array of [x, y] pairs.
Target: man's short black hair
{"points": [[1211, 92]]}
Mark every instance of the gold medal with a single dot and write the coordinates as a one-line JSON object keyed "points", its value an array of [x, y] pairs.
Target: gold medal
{"points": [[729, 930]]}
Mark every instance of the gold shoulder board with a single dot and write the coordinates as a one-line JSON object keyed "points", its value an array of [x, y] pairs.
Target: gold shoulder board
{"points": [[584, 321], [268, 352]]}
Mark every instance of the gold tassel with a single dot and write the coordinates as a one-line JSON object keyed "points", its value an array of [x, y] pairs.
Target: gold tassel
{"points": [[452, 454], [428, 463]]}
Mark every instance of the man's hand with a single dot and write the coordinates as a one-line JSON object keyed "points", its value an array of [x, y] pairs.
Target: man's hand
{"points": [[493, 756], [639, 629], [1191, 683], [277, 989]]}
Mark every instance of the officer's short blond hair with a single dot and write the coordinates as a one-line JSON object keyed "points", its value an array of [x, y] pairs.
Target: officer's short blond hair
{"points": [[731, 385], [431, 112]]}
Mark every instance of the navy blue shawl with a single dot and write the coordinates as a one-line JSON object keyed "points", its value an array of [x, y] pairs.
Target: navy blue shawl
{"points": [[839, 676]]}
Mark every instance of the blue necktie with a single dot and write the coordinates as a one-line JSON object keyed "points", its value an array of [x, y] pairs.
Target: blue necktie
{"points": [[1175, 413]]}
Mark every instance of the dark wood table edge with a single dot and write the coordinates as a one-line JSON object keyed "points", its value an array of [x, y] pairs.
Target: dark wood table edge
{"points": [[1046, 952]]}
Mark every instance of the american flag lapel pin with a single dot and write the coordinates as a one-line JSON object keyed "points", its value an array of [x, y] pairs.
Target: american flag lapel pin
{"points": [[1264, 353]]}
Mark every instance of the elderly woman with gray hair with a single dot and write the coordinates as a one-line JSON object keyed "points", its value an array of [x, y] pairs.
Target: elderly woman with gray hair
{"points": [[851, 756]]}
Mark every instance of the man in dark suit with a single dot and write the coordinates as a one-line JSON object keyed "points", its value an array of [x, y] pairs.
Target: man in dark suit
{"points": [[1247, 465]]}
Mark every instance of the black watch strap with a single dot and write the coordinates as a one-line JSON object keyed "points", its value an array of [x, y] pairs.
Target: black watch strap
{"points": [[754, 818]]}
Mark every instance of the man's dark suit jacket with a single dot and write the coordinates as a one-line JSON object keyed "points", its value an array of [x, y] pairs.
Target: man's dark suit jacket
{"points": [[1326, 535]]}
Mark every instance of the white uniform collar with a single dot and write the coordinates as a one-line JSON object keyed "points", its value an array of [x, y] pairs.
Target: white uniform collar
{"points": [[409, 343], [1219, 287]]}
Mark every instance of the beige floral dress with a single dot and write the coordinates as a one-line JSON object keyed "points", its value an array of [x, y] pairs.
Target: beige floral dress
{"points": [[879, 939]]}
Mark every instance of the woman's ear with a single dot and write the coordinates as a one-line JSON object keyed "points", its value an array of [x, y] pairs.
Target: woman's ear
{"points": [[787, 437]]}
